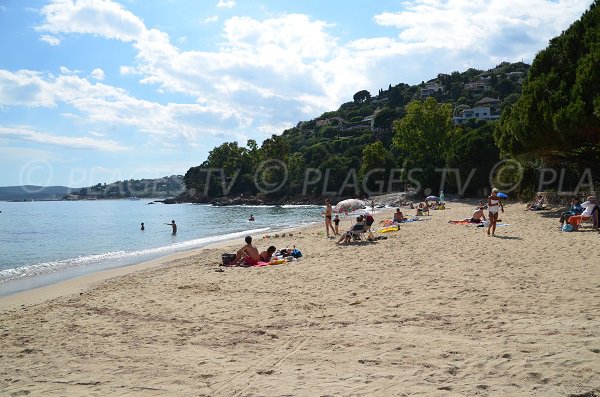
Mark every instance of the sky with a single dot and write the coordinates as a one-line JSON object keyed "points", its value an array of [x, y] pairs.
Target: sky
{"points": [[95, 91]]}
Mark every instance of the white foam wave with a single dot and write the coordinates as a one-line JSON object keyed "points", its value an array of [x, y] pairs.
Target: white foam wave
{"points": [[124, 257]]}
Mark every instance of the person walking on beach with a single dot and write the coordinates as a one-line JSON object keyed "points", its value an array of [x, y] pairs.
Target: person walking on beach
{"points": [[328, 213], [174, 226], [494, 204], [142, 228]]}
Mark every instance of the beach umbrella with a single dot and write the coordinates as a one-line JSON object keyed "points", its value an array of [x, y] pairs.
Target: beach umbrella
{"points": [[502, 195], [349, 205], [431, 198]]}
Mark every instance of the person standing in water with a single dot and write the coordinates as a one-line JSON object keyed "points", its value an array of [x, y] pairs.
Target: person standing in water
{"points": [[494, 204], [142, 228], [174, 226]]}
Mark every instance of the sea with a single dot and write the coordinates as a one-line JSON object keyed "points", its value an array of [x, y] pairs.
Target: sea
{"points": [[44, 242]]}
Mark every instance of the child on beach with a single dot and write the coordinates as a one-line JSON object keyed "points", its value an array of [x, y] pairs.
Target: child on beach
{"points": [[336, 222]]}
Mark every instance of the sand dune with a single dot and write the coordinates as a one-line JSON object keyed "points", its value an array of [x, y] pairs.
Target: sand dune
{"points": [[434, 310]]}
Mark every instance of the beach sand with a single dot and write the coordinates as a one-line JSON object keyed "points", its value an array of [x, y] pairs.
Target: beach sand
{"points": [[434, 310]]}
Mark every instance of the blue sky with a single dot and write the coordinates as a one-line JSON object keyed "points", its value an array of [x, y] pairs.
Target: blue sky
{"points": [[98, 90]]}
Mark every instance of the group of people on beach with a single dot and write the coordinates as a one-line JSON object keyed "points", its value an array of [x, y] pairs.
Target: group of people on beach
{"points": [[249, 255], [579, 212]]}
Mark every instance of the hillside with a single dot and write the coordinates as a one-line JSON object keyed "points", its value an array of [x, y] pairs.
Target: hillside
{"points": [[167, 186], [31, 192], [335, 142]]}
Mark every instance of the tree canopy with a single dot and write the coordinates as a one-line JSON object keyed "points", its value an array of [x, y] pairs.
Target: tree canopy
{"points": [[558, 113]]}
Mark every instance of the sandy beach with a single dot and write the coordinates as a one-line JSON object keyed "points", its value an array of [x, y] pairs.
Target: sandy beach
{"points": [[434, 310]]}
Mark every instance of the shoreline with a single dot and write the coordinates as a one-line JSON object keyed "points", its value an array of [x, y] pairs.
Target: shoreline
{"points": [[83, 282]]}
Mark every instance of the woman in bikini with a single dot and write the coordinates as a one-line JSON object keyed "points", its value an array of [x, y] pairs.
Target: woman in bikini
{"points": [[328, 213], [494, 204]]}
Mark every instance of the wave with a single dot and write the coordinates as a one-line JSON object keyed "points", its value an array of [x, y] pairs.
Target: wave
{"points": [[121, 258]]}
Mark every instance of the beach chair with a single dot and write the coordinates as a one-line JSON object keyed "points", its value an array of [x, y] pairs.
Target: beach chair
{"points": [[357, 231]]}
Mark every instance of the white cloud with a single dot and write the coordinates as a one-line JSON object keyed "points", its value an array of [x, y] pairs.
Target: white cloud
{"points": [[97, 74], [226, 4], [110, 106], [53, 41], [31, 135], [211, 19], [101, 17], [283, 69], [494, 28], [66, 71]]}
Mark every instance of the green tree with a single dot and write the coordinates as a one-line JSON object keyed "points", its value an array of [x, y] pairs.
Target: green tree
{"points": [[558, 113], [377, 163], [361, 96], [425, 134]]}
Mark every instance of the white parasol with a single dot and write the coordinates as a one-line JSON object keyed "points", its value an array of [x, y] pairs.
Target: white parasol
{"points": [[349, 205]]}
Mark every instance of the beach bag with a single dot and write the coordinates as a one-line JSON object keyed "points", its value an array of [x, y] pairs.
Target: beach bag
{"points": [[228, 259], [296, 253], [567, 227]]}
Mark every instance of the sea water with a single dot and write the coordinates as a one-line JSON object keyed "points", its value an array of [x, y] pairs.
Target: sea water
{"points": [[48, 241]]}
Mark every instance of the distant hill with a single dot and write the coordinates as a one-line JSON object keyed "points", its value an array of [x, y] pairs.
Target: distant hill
{"points": [[32, 192], [167, 186]]}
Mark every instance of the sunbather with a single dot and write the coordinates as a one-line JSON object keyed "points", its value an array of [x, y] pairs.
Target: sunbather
{"points": [[538, 204], [574, 209], [399, 216], [248, 254], [358, 227], [266, 256], [590, 206], [478, 215]]}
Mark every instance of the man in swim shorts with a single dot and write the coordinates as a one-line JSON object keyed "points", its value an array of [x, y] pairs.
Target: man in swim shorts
{"points": [[248, 254], [477, 215]]}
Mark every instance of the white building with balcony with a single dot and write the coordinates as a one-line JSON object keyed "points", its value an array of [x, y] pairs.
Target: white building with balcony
{"points": [[477, 113]]}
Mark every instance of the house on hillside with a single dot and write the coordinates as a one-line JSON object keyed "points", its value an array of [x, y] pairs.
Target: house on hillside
{"points": [[477, 113], [492, 103], [367, 122], [431, 88], [478, 86]]}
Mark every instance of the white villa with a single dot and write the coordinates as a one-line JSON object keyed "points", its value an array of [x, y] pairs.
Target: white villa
{"points": [[478, 113]]}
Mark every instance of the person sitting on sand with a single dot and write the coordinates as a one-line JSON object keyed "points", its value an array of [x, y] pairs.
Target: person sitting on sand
{"points": [[574, 209], [537, 205], [266, 256], [423, 208], [478, 215], [399, 216], [248, 254], [357, 227]]}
